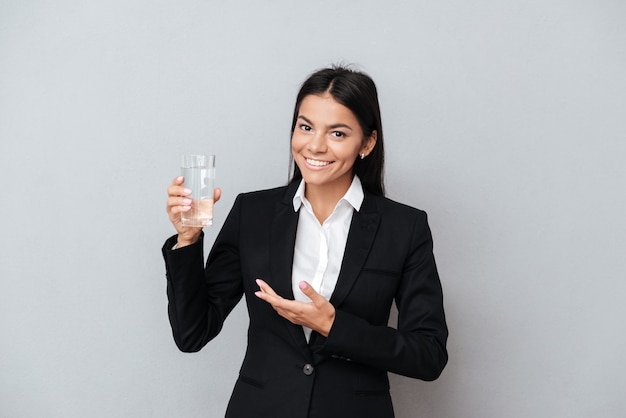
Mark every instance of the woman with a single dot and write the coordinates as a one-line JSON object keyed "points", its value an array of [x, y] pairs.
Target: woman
{"points": [[320, 262]]}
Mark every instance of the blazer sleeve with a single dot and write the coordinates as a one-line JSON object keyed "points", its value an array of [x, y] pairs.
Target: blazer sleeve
{"points": [[417, 348], [199, 298]]}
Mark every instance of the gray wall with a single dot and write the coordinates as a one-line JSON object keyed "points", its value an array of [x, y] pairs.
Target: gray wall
{"points": [[506, 121]]}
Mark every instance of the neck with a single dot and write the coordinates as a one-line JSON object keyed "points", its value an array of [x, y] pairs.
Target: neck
{"points": [[324, 199]]}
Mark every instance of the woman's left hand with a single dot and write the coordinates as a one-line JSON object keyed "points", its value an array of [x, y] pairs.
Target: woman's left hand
{"points": [[319, 314]]}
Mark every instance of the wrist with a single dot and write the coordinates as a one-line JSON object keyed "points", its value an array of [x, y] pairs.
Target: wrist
{"points": [[186, 241], [329, 324]]}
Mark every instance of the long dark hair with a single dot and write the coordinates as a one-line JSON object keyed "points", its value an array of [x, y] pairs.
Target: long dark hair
{"points": [[356, 91]]}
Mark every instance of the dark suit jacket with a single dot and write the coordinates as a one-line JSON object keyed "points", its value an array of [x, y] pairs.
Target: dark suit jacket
{"points": [[388, 257]]}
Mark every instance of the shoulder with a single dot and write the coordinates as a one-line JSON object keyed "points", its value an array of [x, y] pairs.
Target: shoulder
{"points": [[265, 193], [390, 208], [266, 197], [401, 222]]}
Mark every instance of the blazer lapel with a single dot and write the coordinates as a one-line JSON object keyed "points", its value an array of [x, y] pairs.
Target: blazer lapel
{"points": [[360, 238], [282, 243]]}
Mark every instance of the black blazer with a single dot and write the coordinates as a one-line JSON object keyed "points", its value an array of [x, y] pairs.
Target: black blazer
{"points": [[388, 257]]}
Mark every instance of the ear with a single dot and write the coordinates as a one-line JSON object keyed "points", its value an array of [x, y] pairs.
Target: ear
{"points": [[369, 143]]}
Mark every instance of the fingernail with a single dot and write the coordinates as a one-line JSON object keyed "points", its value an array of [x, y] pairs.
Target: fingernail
{"points": [[187, 201], [302, 285], [257, 294], [187, 191]]}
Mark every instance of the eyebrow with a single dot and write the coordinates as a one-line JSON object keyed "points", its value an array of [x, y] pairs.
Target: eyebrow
{"points": [[335, 126]]}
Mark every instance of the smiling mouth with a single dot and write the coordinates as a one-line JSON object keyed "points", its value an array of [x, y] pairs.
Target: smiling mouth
{"points": [[317, 163]]}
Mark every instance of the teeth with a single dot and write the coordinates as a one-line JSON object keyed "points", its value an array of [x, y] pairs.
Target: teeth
{"points": [[317, 163]]}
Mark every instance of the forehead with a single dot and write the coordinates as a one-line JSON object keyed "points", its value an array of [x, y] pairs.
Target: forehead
{"points": [[325, 109]]}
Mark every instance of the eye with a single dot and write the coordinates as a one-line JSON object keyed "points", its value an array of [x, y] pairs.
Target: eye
{"points": [[337, 134], [305, 127]]}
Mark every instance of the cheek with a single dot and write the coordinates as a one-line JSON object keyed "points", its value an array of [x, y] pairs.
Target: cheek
{"points": [[294, 147], [296, 142], [348, 153]]}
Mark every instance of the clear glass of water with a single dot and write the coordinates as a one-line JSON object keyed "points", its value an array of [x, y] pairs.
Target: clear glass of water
{"points": [[199, 174]]}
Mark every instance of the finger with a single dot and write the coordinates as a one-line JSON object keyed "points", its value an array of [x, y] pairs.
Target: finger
{"points": [[173, 201], [217, 193], [268, 294], [178, 181], [175, 210], [265, 288], [308, 290], [174, 190], [178, 204], [274, 300]]}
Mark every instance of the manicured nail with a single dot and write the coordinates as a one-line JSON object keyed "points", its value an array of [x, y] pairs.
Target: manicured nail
{"points": [[187, 201], [302, 285], [187, 191]]}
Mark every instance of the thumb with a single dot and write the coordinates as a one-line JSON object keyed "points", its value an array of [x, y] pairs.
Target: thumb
{"points": [[217, 193], [308, 290]]}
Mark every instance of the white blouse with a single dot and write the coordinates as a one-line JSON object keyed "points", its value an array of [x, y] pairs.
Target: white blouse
{"points": [[319, 248]]}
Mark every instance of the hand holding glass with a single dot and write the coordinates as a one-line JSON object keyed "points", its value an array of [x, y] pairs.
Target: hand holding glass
{"points": [[199, 174]]}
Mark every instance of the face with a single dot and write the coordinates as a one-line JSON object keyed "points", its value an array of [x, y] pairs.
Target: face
{"points": [[326, 141]]}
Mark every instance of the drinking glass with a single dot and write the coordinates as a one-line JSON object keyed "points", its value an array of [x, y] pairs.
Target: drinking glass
{"points": [[199, 174]]}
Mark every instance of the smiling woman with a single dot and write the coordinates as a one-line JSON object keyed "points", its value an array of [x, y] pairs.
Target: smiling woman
{"points": [[319, 273], [357, 93], [325, 145]]}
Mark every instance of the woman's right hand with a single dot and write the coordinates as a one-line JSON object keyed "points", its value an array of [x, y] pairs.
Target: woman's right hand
{"points": [[179, 202]]}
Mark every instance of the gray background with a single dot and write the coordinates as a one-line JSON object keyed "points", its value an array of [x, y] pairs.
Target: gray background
{"points": [[505, 121]]}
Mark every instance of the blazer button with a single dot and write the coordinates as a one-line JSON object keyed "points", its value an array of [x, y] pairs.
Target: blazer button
{"points": [[307, 369]]}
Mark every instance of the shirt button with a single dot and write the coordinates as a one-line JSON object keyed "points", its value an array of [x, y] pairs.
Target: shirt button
{"points": [[307, 369]]}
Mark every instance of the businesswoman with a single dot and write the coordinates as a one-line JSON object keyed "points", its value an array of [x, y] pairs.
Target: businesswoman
{"points": [[320, 262]]}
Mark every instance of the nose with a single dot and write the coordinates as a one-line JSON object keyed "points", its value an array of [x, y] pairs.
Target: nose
{"points": [[317, 143]]}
